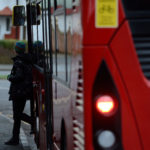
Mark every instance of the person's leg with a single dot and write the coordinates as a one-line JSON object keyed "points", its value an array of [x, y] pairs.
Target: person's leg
{"points": [[18, 107], [28, 119]]}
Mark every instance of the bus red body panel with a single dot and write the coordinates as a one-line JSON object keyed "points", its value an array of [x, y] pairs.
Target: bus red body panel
{"points": [[91, 34], [39, 98], [131, 139], [83, 62], [137, 86], [121, 49]]}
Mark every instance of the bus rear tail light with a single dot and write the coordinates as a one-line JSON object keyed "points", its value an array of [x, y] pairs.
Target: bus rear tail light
{"points": [[106, 111], [106, 139], [106, 105]]}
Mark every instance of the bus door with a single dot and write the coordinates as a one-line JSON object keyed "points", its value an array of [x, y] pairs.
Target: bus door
{"points": [[39, 39]]}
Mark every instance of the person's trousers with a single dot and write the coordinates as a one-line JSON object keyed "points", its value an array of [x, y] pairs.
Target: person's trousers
{"points": [[18, 115]]}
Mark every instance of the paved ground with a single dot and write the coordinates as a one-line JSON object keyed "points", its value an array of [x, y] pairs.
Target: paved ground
{"points": [[26, 140], [6, 124]]}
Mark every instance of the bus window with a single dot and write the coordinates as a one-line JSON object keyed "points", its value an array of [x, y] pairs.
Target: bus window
{"points": [[60, 47], [60, 27], [47, 43], [69, 4], [137, 5], [36, 28], [53, 38], [61, 23], [69, 36], [60, 3]]}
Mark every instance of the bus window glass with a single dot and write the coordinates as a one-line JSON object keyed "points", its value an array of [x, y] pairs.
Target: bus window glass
{"points": [[53, 37], [46, 34], [52, 5], [69, 36], [37, 33], [34, 34], [137, 5], [60, 47], [60, 3], [69, 4], [37, 29]]}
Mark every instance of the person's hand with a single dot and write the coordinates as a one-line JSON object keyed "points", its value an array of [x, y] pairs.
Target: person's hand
{"points": [[8, 77]]}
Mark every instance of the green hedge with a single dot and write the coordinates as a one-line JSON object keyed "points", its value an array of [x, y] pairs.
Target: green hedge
{"points": [[3, 77], [9, 44], [6, 50]]}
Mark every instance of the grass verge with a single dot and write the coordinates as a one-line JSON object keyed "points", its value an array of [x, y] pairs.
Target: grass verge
{"points": [[3, 77]]}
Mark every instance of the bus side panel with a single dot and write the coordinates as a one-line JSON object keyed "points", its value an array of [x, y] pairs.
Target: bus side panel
{"points": [[93, 57], [91, 32], [65, 93], [62, 112], [136, 84], [65, 108]]}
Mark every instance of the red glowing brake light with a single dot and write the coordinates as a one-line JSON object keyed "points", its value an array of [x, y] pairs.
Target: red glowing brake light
{"points": [[106, 105]]}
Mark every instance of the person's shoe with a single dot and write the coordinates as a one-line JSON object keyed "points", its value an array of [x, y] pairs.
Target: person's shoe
{"points": [[12, 141]]}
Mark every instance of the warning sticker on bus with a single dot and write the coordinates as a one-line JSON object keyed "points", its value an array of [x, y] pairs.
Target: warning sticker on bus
{"points": [[106, 14]]}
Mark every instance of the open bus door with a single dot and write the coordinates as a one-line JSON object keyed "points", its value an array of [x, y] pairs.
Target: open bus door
{"points": [[37, 13]]}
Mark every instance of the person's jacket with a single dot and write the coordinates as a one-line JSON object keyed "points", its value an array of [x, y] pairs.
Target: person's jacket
{"points": [[21, 77]]}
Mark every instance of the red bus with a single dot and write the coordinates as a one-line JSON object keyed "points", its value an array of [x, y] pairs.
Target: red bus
{"points": [[92, 91]]}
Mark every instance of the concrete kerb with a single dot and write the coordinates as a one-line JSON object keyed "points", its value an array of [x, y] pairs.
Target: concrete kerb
{"points": [[5, 67], [23, 137]]}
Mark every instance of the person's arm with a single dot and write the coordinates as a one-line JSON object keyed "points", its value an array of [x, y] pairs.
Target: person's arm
{"points": [[19, 74]]}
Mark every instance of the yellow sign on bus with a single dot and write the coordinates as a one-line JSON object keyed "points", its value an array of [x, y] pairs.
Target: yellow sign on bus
{"points": [[106, 13]]}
